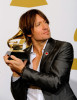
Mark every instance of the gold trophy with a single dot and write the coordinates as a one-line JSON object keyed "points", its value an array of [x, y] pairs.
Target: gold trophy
{"points": [[16, 46]]}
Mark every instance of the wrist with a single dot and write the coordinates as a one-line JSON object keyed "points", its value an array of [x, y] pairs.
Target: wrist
{"points": [[15, 74]]}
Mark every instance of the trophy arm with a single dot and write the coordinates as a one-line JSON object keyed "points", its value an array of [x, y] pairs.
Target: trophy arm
{"points": [[9, 42]]}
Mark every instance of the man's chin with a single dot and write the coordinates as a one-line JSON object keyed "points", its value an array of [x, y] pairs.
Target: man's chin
{"points": [[47, 38], [44, 39]]}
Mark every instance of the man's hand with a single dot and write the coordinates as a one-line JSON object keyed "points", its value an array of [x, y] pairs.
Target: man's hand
{"points": [[16, 64]]}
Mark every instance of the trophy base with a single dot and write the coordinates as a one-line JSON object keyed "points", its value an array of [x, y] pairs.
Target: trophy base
{"points": [[21, 55]]}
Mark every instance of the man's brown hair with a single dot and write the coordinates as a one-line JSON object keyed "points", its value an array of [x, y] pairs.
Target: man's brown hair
{"points": [[27, 20]]}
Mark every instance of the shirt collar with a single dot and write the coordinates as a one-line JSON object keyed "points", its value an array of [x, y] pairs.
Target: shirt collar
{"points": [[42, 49], [31, 49]]}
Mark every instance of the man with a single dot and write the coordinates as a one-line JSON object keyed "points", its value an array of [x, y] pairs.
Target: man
{"points": [[46, 77]]}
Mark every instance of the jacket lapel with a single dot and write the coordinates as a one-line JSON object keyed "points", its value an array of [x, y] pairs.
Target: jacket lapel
{"points": [[48, 50]]}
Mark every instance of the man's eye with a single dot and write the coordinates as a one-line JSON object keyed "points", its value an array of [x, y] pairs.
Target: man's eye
{"points": [[38, 24]]}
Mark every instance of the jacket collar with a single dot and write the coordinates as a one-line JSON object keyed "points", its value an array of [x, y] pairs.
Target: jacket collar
{"points": [[48, 49]]}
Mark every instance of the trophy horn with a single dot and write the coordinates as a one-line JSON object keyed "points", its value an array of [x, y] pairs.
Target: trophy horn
{"points": [[19, 35]]}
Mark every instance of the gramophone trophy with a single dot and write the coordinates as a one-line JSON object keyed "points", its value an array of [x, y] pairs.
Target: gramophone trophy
{"points": [[16, 46]]}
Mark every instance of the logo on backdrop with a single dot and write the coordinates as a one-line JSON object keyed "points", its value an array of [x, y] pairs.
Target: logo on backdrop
{"points": [[28, 3], [74, 66]]}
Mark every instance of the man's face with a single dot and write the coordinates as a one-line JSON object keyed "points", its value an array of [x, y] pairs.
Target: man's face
{"points": [[41, 29]]}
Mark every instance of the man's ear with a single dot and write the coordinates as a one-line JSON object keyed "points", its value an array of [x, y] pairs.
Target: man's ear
{"points": [[29, 35]]}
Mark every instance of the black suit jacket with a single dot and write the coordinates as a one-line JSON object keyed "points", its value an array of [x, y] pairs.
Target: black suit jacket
{"points": [[53, 78]]}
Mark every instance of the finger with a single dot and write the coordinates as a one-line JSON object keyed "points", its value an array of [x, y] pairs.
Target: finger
{"points": [[10, 65], [10, 62], [5, 57], [25, 62], [14, 58]]}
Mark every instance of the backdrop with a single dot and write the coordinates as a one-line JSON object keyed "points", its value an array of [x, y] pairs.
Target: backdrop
{"points": [[62, 15]]}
